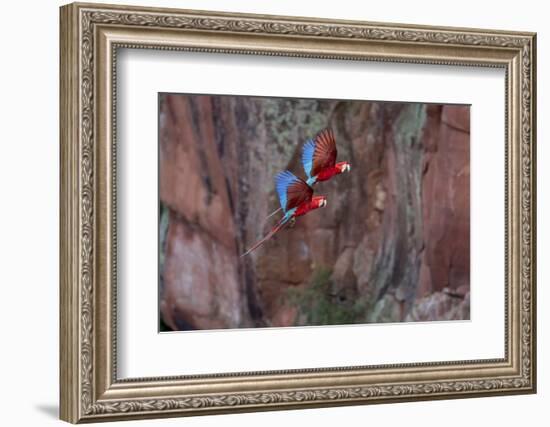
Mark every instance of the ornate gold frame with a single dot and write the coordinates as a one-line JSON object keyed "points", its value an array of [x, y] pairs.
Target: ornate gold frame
{"points": [[90, 36]]}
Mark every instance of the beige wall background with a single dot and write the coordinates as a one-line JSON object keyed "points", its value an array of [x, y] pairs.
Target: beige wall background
{"points": [[29, 170]]}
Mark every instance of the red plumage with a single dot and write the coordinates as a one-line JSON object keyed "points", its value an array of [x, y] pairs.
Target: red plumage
{"points": [[297, 193], [325, 153], [296, 197]]}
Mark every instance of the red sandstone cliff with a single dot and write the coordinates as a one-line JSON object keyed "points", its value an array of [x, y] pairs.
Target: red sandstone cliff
{"points": [[392, 244]]}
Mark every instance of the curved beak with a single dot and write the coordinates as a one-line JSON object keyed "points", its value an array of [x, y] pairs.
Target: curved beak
{"points": [[347, 168], [323, 203]]}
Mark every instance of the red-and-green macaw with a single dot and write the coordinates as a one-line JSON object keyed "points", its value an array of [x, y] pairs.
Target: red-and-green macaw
{"points": [[319, 158], [296, 198]]}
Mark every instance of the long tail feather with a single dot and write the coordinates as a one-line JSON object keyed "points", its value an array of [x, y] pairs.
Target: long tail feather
{"points": [[274, 230], [272, 213]]}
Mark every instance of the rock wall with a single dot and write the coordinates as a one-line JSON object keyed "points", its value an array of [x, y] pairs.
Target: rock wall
{"points": [[393, 240]]}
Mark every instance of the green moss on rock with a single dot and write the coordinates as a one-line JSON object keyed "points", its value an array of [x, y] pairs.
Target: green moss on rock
{"points": [[317, 305]]}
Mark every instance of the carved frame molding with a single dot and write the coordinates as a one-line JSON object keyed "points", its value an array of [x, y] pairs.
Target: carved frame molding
{"points": [[90, 37]]}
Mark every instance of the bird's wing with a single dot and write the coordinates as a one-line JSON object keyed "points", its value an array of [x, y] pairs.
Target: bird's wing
{"points": [[292, 190], [319, 153], [307, 157]]}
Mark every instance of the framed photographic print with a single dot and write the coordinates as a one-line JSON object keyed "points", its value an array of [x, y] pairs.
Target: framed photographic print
{"points": [[266, 212]]}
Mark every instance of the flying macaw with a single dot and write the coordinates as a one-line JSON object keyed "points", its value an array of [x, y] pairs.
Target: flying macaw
{"points": [[296, 198], [319, 158]]}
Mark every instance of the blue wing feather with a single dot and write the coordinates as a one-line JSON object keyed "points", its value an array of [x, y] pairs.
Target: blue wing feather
{"points": [[307, 157], [282, 181], [289, 214]]}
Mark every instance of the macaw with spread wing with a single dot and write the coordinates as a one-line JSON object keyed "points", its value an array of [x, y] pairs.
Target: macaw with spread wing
{"points": [[319, 158], [296, 198]]}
